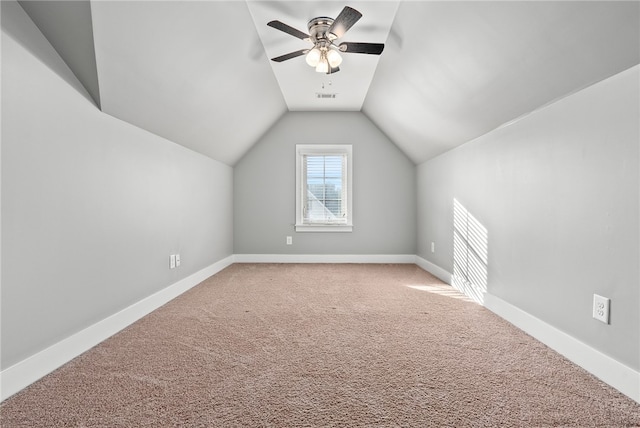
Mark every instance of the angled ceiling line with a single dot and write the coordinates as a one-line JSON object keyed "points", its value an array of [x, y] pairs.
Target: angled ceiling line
{"points": [[68, 26], [450, 71]]}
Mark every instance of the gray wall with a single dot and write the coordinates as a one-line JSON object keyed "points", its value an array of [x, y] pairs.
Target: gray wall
{"points": [[558, 194], [384, 210], [92, 207]]}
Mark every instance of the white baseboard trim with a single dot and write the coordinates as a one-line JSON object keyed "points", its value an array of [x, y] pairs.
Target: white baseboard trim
{"points": [[605, 368], [434, 270], [22, 374], [29, 370], [325, 258]]}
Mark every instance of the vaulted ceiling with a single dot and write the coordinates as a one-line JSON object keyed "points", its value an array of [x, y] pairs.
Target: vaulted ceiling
{"points": [[198, 72]]}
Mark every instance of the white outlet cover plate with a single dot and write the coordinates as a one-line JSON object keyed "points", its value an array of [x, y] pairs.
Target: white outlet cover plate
{"points": [[601, 308]]}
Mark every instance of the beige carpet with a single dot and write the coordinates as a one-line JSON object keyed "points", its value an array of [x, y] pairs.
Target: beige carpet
{"points": [[320, 345]]}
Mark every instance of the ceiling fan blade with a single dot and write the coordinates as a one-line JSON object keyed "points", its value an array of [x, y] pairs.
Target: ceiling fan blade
{"points": [[288, 29], [363, 48], [290, 55], [344, 21], [333, 70]]}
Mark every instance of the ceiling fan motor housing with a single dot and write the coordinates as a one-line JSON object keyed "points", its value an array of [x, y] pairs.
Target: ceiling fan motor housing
{"points": [[318, 28]]}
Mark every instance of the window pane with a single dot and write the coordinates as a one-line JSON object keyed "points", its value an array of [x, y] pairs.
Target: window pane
{"points": [[324, 178], [323, 187]]}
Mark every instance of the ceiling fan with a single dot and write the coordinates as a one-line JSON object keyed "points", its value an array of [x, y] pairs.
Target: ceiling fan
{"points": [[323, 32]]}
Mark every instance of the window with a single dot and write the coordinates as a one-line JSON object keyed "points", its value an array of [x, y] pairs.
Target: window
{"points": [[323, 188]]}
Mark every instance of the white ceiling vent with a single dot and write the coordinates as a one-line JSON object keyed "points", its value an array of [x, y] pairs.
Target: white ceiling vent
{"points": [[321, 95]]}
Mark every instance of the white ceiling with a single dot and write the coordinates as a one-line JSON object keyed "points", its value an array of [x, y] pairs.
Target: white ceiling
{"points": [[465, 68], [193, 72], [196, 72]]}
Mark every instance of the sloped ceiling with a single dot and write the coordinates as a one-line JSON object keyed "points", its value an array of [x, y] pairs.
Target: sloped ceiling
{"points": [[192, 72], [196, 72], [68, 25], [462, 69]]}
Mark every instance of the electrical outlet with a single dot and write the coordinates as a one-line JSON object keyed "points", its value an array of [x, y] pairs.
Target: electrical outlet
{"points": [[601, 308], [177, 260], [289, 240], [172, 261]]}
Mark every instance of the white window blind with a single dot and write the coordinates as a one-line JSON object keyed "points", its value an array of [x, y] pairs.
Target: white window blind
{"points": [[323, 183], [325, 198]]}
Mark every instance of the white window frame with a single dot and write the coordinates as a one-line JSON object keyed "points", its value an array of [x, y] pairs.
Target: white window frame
{"points": [[326, 150]]}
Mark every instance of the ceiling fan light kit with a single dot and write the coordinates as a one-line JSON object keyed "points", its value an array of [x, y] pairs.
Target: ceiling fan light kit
{"points": [[334, 58], [323, 66], [325, 56], [313, 57]]}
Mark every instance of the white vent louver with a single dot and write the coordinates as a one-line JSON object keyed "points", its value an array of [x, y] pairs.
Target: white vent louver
{"points": [[321, 95]]}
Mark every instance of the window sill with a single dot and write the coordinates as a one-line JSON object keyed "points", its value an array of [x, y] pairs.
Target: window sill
{"points": [[324, 227]]}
